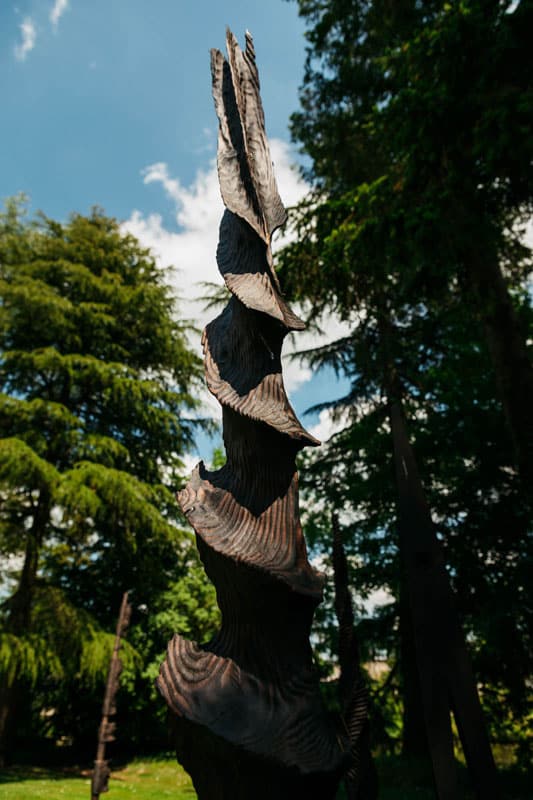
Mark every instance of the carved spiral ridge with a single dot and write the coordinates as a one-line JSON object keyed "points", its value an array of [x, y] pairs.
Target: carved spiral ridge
{"points": [[253, 685]]}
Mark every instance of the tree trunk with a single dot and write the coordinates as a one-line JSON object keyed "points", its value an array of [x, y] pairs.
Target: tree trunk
{"points": [[444, 670], [507, 346], [19, 614], [361, 781], [414, 739], [435, 644]]}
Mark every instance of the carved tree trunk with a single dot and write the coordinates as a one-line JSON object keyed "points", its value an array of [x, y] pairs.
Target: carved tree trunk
{"points": [[247, 713]]}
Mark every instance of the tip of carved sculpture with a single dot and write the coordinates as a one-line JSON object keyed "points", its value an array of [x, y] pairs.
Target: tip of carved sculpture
{"points": [[245, 170]]}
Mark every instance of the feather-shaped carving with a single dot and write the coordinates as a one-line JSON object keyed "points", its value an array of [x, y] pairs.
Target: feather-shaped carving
{"points": [[245, 169], [231, 702]]}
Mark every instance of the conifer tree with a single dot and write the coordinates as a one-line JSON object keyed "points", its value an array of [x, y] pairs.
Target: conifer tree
{"points": [[96, 407], [414, 119]]}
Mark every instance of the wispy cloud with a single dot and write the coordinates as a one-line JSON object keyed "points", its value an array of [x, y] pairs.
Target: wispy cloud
{"points": [[329, 423], [158, 173], [28, 38], [57, 11]]}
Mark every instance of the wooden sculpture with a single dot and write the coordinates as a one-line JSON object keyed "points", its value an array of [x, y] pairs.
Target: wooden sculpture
{"points": [[247, 713]]}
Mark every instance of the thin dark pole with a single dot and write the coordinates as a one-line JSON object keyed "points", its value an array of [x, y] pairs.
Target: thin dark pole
{"points": [[106, 731]]}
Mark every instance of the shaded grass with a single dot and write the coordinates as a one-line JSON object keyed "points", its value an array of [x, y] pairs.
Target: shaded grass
{"points": [[139, 780], [160, 778]]}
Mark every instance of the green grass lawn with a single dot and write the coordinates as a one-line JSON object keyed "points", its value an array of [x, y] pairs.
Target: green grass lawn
{"points": [[160, 778], [140, 780]]}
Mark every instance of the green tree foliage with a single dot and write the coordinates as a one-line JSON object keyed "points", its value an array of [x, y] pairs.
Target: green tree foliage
{"points": [[415, 117], [96, 410]]}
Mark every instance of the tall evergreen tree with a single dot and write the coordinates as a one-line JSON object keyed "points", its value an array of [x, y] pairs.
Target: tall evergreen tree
{"points": [[96, 407], [414, 116]]}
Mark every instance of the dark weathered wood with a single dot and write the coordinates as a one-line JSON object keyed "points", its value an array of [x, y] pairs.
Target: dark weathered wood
{"points": [[247, 714], [243, 369], [106, 732]]}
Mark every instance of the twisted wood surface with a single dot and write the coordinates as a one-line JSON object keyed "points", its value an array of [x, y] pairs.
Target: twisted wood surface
{"points": [[250, 696]]}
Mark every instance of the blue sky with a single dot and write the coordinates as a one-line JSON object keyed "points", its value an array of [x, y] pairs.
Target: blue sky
{"points": [[108, 102], [115, 85]]}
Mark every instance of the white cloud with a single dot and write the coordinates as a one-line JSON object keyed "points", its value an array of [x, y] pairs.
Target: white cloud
{"points": [[159, 173], [28, 36], [57, 11], [330, 328], [328, 424], [190, 461]]}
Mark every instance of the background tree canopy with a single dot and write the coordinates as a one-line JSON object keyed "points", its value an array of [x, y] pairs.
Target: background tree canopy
{"points": [[96, 410], [415, 119]]}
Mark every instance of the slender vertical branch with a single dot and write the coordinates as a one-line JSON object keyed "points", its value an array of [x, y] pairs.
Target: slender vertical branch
{"points": [[106, 732]]}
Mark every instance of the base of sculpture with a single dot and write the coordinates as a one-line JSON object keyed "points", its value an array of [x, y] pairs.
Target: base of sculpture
{"points": [[222, 771]]}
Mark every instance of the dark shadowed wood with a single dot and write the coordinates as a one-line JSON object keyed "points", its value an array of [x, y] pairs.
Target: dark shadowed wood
{"points": [[245, 262], [246, 708], [250, 777], [243, 369]]}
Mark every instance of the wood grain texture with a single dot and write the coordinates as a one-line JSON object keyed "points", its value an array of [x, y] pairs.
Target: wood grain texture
{"points": [[245, 262], [243, 369], [245, 169], [237, 706], [248, 775], [251, 694]]}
